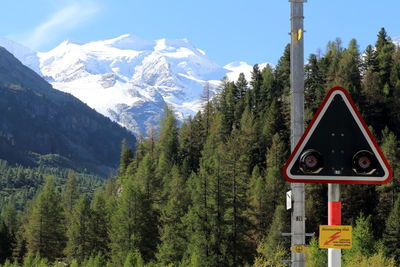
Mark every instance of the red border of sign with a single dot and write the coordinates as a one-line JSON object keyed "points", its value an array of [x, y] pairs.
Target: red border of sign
{"points": [[284, 169]]}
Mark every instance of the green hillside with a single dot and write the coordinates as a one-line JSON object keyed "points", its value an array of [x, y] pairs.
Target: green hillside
{"points": [[43, 126]]}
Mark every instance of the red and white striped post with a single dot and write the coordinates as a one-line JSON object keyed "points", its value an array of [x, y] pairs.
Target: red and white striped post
{"points": [[334, 218]]}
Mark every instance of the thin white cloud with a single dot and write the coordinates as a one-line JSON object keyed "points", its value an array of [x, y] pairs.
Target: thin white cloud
{"points": [[66, 19]]}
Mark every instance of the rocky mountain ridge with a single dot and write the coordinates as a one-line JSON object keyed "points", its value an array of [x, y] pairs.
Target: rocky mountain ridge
{"points": [[129, 79]]}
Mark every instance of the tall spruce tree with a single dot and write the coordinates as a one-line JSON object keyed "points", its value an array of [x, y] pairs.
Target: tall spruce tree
{"points": [[172, 233], [234, 170], [348, 74], [363, 240], [191, 140], [45, 228], [391, 235], [387, 193], [274, 243], [100, 224], [196, 224], [126, 157], [5, 242], [282, 88], [258, 206], [168, 143], [70, 194], [80, 239], [132, 227], [204, 221], [256, 83], [313, 86]]}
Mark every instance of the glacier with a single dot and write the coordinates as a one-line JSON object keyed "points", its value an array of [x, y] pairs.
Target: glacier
{"points": [[129, 79]]}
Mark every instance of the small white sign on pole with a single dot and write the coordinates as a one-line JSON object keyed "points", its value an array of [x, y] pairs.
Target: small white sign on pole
{"points": [[289, 199]]}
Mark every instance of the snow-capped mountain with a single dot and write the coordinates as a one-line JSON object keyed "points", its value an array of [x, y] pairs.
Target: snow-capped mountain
{"points": [[396, 40], [27, 56], [129, 79]]}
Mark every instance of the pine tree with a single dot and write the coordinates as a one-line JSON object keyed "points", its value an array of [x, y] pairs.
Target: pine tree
{"points": [[267, 88], [391, 235], [333, 56], [256, 82], [168, 143], [242, 89], [206, 98], [272, 122], [45, 229], [242, 85], [253, 146], [172, 234], [5, 242], [134, 259], [282, 88], [99, 224], [70, 194], [191, 140], [10, 230], [229, 98], [385, 63], [94, 261], [146, 179], [282, 74], [316, 201], [132, 227], [369, 61], [276, 153], [387, 192], [197, 224], [356, 199], [363, 239], [382, 40], [372, 90], [80, 241], [126, 157], [313, 86], [348, 73], [273, 242], [275, 184], [395, 98], [204, 221], [258, 206], [377, 259], [234, 170], [315, 257]]}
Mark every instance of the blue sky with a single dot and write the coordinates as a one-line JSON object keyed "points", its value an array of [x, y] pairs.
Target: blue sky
{"points": [[254, 31]]}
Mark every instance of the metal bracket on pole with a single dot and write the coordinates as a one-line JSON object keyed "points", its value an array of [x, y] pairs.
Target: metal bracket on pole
{"points": [[290, 234]]}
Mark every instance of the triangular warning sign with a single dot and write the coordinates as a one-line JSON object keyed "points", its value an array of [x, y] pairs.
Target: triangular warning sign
{"points": [[337, 147]]}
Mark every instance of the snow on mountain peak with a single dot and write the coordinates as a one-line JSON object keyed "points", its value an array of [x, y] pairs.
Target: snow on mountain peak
{"points": [[22, 53], [129, 42], [130, 79]]}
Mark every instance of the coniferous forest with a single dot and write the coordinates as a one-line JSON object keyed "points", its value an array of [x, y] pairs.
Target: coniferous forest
{"points": [[209, 191]]}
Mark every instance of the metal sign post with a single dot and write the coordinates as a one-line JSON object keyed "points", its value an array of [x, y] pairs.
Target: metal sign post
{"points": [[297, 122]]}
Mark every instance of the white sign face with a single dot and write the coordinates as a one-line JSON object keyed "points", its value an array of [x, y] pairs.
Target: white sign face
{"points": [[289, 200]]}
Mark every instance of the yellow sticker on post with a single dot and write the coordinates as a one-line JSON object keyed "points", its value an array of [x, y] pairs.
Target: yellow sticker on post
{"points": [[335, 236]]}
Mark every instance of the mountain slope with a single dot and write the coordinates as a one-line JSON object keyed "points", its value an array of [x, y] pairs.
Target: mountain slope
{"points": [[130, 80], [41, 125]]}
